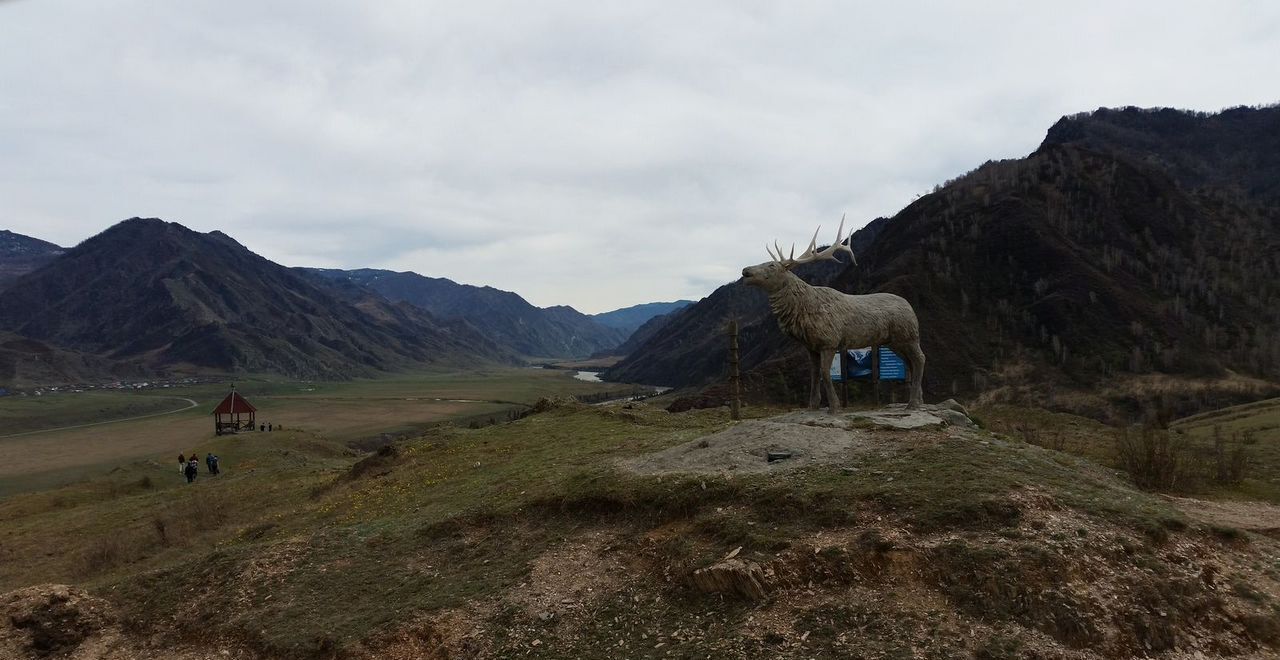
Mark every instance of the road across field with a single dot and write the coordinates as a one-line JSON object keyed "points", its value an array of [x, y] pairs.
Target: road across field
{"points": [[192, 403]]}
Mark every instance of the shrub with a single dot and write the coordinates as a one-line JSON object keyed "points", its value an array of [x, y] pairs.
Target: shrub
{"points": [[1035, 435], [103, 553], [1230, 464], [1154, 458]]}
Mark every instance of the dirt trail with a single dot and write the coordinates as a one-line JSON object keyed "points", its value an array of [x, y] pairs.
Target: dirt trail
{"points": [[192, 403], [1259, 517]]}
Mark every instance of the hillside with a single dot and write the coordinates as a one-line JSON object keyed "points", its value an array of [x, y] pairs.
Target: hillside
{"points": [[505, 317], [25, 362], [644, 333], [1088, 262], [1236, 151], [626, 531], [20, 255], [629, 319], [162, 296]]}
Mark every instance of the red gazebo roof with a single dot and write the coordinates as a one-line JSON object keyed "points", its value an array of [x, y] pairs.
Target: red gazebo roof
{"points": [[234, 403]]}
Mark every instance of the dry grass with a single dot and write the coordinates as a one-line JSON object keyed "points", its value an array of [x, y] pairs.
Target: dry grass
{"points": [[522, 539], [341, 411]]}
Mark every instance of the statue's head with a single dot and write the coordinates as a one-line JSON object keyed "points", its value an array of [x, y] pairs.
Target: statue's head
{"points": [[773, 274], [769, 275]]}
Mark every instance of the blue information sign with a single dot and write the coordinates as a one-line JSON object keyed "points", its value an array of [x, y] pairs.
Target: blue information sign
{"points": [[892, 367]]}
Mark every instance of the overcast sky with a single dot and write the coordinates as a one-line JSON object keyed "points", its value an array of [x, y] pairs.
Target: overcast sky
{"points": [[595, 154]]}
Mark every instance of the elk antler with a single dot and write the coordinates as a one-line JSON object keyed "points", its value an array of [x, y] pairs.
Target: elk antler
{"points": [[811, 254]]}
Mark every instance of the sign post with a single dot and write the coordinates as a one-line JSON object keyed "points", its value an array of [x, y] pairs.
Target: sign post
{"points": [[844, 375], [875, 372], [735, 406]]}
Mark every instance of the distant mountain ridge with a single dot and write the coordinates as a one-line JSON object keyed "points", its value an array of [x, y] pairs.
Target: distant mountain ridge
{"points": [[1236, 150], [1127, 245], [556, 332], [20, 255], [629, 319], [160, 295]]}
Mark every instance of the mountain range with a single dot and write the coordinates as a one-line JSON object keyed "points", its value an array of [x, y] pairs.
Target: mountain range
{"points": [[20, 255], [147, 297], [159, 295], [1132, 243], [630, 319], [556, 332], [1130, 246]]}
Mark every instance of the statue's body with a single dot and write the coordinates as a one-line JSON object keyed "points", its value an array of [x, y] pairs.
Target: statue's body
{"points": [[827, 321]]}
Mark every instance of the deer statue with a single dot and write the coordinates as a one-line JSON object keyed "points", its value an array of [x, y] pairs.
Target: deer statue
{"points": [[827, 321]]}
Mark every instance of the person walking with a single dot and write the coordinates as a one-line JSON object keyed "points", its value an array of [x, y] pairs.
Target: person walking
{"points": [[182, 464], [268, 427], [193, 467], [212, 461]]}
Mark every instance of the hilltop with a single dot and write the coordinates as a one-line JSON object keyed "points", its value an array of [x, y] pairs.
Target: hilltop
{"points": [[628, 531]]}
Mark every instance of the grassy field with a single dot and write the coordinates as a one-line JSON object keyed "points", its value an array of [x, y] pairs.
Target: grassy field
{"points": [[1253, 429], [23, 414], [527, 538], [341, 412], [530, 534]]}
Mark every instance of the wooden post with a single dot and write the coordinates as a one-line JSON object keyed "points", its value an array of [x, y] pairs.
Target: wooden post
{"points": [[735, 405], [844, 375], [875, 372]]}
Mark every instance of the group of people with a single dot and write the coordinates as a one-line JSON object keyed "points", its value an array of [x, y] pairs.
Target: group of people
{"points": [[190, 467]]}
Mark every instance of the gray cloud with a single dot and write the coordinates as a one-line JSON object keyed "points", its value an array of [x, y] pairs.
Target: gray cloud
{"points": [[579, 153]]}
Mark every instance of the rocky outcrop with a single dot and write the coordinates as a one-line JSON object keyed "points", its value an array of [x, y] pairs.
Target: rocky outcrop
{"points": [[52, 620], [732, 577]]}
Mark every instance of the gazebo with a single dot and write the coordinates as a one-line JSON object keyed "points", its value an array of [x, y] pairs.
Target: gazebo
{"points": [[234, 414]]}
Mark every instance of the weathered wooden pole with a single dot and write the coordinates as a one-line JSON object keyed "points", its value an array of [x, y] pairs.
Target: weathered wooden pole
{"points": [[875, 372], [844, 375], [735, 404]]}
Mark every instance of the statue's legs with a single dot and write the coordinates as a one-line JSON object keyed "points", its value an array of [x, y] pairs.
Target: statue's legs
{"points": [[915, 362], [832, 401], [815, 371]]}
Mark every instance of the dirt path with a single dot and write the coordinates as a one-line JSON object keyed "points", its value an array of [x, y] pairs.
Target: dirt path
{"points": [[1257, 517], [192, 403]]}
